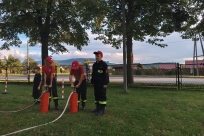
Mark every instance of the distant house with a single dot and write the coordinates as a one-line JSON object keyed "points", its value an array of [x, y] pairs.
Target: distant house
{"points": [[155, 65], [119, 68], [92, 62], [167, 66], [190, 64]]}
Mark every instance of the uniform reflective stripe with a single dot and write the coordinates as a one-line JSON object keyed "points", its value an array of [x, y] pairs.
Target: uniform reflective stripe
{"points": [[50, 97], [79, 101], [55, 98], [83, 100], [102, 102], [100, 71]]}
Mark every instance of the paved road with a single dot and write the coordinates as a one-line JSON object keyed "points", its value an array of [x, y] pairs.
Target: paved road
{"points": [[120, 79]]}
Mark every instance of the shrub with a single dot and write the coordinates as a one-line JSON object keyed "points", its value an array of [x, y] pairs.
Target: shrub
{"points": [[138, 72], [168, 72]]}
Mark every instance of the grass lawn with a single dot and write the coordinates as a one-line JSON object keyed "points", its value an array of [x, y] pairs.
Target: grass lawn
{"points": [[140, 112]]}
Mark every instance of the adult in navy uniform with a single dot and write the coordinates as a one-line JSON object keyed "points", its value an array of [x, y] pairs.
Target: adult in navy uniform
{"points": [[100, 80]]}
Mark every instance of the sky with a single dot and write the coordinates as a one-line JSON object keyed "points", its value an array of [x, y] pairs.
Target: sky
{"points": [[178, 50]]}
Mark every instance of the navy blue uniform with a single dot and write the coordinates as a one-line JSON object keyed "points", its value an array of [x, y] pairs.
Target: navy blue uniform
{"points": [[100, 78], [36, 92]]}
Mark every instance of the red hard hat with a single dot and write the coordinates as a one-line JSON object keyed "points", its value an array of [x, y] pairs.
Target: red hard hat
{"points": [[49, 59]]}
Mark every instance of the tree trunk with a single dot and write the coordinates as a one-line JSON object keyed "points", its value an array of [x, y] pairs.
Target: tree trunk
{"points": [[44, 47], [129, 60], [129, 34], [44, 30]]}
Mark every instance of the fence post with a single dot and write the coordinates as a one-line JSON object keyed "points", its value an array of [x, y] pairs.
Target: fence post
{"points": [[87, 72], [178, 76], [62, 90], [181, 76], [6, 82], [7, 72]]}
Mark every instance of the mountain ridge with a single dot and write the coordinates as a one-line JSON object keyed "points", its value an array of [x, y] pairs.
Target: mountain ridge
{"points": [[69, 61]]}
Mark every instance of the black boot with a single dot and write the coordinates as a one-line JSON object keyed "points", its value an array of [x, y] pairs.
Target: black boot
{"points": [[78, 105], [49, 104], [96, 109], [83, 104], [56, 104], [101, 110], [36, 102]]}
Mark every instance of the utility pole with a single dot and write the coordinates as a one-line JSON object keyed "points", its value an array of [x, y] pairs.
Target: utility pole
{"points": [[28, 62], [124, 48], [197, 71], [201, 43], [195, 57]]}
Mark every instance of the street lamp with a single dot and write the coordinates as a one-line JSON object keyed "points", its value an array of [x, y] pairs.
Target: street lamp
{"points": [[124, 48], [28, 62]]}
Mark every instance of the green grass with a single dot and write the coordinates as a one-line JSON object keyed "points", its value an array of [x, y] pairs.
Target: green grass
{"points": [[112, 75], [138, 112], [32, 74]]}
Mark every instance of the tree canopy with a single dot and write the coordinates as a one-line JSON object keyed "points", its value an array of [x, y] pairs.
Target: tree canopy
{"points": [[196, 27], [52, 23], [86, 61], [13, 64], [154, 19], [32, 63], [56, 23], [2, 63]]}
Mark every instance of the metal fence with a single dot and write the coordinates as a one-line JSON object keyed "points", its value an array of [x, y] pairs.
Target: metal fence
{"points": [[21, 74], [15, 74], [160, 74]]}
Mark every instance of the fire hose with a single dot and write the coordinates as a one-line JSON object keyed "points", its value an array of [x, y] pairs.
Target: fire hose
{"points": [[29, 128], [14, 111]]}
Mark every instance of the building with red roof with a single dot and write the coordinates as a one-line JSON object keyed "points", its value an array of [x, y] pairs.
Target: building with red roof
{"points": [[189, 64], [167, 66]]}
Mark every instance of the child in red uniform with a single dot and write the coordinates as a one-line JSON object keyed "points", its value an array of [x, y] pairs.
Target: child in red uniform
{"points": [[80, 82], [49, 80]]}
